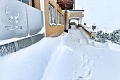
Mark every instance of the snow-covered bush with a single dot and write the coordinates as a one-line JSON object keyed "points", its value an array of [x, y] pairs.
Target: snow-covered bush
{"points": [[115, 37], [102, 37]]}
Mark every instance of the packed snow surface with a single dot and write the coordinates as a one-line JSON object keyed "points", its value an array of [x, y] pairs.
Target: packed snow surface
{"points": [[70, 56]]}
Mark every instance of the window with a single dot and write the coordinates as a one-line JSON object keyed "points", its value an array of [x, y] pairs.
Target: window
{"points": [[58, 18], [51, 15], [62, 21], [24, 1], [33, 3]]}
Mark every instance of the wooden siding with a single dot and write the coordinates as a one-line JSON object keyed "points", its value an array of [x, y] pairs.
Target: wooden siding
{"points": [[52, 30]]}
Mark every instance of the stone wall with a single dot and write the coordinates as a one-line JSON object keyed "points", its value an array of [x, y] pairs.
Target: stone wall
{"points": [[20, 44]]}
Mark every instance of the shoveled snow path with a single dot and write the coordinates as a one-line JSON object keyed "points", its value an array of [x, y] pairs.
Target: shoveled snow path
{"points": [[77, 60], [67, 57], [72, 61]]}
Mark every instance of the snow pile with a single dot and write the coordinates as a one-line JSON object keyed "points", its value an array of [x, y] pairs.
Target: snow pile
{"points": [[114, 47], [80, 61], [67, 57], [29, 63]]}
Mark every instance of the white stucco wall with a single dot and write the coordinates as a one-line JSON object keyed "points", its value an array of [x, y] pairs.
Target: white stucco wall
{"points": [[18, 19], [42, 9]]}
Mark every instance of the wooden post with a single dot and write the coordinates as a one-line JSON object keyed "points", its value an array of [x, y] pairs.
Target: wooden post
{"points": [[66, 19], [74, 4]]}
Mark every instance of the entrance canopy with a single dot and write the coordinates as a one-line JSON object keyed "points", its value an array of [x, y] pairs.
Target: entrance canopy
{"points": [[76, 13], [76, 16]]}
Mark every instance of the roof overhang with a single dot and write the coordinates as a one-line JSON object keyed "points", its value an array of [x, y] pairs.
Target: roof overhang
{"points": [[76, 13]]}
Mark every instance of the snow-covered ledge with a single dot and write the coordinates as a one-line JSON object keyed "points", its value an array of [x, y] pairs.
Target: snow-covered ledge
{"points": [[58, 24], [53, 24], [17, 44]]}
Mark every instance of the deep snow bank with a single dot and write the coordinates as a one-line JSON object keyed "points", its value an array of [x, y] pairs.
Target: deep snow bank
{"points": [[77, 60], [29, 63], [67, 57]]}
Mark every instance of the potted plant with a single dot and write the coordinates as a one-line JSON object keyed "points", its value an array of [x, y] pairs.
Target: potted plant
{"points": [[93, 27]]}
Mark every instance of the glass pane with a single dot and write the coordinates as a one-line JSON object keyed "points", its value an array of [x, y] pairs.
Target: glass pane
{"points": [[58, 17], [51, 14], [25, 1]]}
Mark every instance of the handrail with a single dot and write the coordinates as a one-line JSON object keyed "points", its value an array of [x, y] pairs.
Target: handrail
{"points": [[88, 32]]}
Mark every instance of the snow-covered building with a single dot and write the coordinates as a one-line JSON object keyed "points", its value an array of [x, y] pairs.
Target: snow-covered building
{"points": [[28, 21], [53, 16], [69, 56], [56, 14], [20, 26]]}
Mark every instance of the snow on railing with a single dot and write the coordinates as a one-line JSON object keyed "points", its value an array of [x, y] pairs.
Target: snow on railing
{"points": [[86, 36]]}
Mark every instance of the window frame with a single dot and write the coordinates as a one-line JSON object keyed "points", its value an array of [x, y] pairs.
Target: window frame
{"points": [[51, 15], [58, 18], [24, 1], [62, 20]]}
